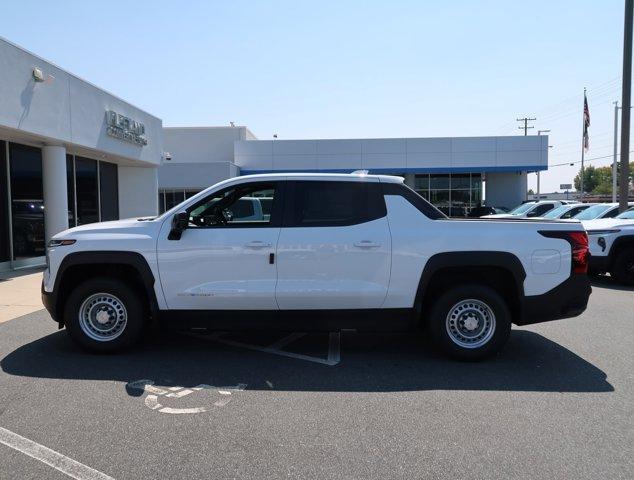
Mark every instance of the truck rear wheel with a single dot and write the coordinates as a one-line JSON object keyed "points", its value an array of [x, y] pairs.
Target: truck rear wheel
{"points": [[623, 269], [470, 322], [104, 315]]}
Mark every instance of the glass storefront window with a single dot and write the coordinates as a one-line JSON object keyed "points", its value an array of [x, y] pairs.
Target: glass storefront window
{"points": [[169, 198], [460, 181], [455, 194], [5, 249], [421, 182], [87, 196], [27, 201], [439, 182], [109, 191]]}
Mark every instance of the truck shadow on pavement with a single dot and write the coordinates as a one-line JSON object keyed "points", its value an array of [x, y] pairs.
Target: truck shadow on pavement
{"points": [[369, 363]]}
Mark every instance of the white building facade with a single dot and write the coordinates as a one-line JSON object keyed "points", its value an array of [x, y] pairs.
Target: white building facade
{"points": [[72, 154], [449, 172]]}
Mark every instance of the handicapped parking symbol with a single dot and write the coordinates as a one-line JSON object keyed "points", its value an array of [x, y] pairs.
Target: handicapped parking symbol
{"points": [[220, 396]]}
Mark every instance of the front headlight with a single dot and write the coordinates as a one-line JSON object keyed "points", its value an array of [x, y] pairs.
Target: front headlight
{"points": [[59, 243]]}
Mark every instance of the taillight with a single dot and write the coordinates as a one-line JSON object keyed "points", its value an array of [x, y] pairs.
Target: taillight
{"points": [[579, 245]]}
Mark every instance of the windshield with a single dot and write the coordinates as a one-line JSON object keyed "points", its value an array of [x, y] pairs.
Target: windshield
{"points": [[523, 208], [592, 212], [629, 214], [557, 212]]}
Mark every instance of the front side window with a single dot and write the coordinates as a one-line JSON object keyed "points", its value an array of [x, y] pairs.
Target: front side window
{"points": [[247, 205], [332, 203]]}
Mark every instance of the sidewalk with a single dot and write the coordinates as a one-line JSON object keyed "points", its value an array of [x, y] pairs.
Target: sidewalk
{"points": [[19, 294]]}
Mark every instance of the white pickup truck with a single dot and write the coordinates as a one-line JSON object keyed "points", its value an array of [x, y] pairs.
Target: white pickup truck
{"points": [[337, 251]]}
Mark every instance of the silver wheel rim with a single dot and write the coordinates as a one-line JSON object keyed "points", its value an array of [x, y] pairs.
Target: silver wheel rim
{"points": [[103, 317], [470, 323]]}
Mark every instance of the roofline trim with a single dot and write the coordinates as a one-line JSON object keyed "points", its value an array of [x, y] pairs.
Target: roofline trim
{"points": [[396, 171]]}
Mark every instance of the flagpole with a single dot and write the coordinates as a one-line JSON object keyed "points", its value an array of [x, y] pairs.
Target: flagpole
{"points": [[583, 138]]}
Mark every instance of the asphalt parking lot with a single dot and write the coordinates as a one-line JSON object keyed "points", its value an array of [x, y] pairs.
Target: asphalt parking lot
{"points": [[558, 403]]}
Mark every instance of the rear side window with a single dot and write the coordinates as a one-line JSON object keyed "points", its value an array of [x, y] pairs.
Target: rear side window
{"points": [[414, 198], [541, 209], [612, 213], [573, 211], [332, 204]]}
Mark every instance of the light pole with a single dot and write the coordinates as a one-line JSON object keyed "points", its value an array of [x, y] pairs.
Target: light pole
{"points": [[614, 163], [626, 98], [539, 132]]}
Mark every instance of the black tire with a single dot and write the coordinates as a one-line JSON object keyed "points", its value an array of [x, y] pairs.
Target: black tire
{"points": [[131, 307], [623, 267], [492, 339]]}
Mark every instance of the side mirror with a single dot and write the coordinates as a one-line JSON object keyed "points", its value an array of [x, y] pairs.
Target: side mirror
{"points": [[531, 214], [180, 222]]}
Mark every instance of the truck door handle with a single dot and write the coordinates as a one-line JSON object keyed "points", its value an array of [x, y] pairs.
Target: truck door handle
{"points": [[257, 244], [366, 244]]}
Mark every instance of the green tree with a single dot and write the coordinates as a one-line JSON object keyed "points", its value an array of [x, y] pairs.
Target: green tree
{"points": [[598, 180], [590, 181], [530, 191]]}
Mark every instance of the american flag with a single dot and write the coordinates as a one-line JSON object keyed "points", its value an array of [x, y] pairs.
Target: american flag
{"points": [[586, 122]]}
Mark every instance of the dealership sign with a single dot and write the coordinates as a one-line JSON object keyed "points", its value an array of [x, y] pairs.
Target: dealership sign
{"points": [[124, 128]]}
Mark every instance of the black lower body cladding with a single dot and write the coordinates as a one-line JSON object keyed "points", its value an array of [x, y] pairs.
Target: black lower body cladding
{"points": [[566, 300]]}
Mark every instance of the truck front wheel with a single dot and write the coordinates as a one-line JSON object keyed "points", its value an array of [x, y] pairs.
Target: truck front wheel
{"points": [[470, 322], [104, 315]]}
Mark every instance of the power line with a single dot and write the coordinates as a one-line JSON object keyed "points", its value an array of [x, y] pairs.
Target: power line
{"points": [[587, 160]]}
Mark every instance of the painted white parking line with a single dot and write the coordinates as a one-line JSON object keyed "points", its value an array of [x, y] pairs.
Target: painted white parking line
{"points": [[334, 344], [59, 462]]}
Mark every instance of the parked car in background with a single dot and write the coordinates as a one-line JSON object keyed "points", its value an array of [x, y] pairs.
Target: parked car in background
{"points": [[482, 210], [528, 210], [611, 242], [600, 210], [567, 210], [28, 227]]}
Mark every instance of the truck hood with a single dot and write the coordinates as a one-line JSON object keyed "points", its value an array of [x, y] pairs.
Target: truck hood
{"points": [[606, 223], [128, 225]]}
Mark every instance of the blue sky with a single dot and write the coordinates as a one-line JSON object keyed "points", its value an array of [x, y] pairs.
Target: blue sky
{"points": [[347, 69]]}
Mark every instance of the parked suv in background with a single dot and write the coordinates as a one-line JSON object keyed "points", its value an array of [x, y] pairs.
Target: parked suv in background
{"points": [[611, 242], [358, 252], [528, 210], [600, 210]]}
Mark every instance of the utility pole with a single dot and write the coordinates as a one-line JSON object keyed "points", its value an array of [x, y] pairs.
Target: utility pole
{"points": [[614, 161], [526, 127], [583, 140], [539, 132], [626, 104]]}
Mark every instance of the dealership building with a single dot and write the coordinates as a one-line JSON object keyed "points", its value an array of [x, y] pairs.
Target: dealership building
{"points": [[72, 154]]}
